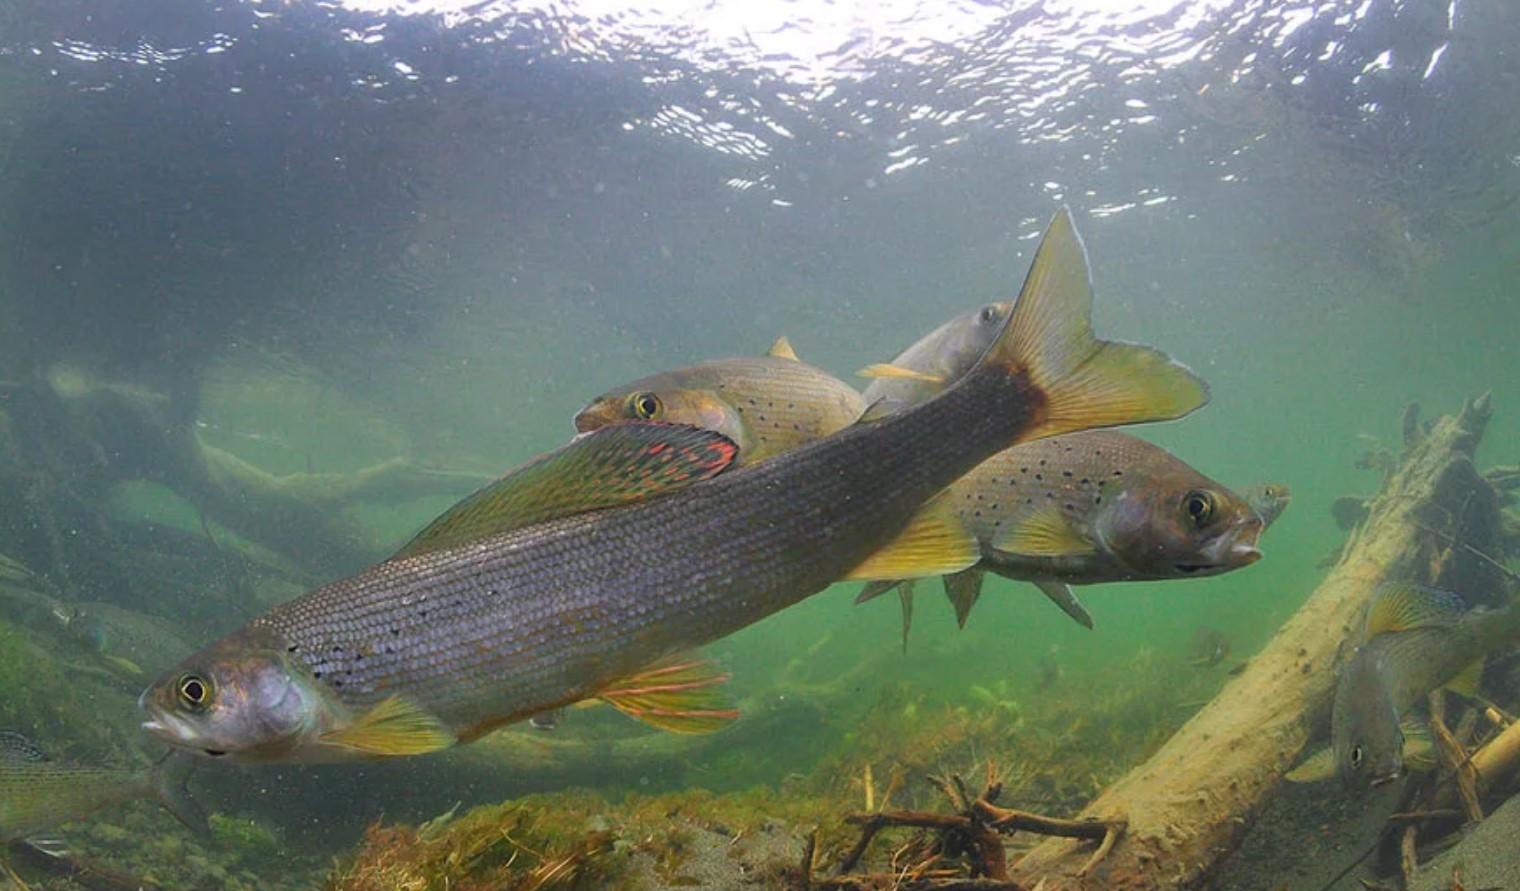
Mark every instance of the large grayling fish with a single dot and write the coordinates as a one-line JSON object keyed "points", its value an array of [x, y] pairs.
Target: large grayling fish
{"points": [[521, 599], [1416, 640], [38, 793]]}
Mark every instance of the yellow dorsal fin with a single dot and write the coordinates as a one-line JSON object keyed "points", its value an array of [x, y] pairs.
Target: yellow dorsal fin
{"points": [[614, 465], [782, 349], [1044, 533], [1085, 382], [1317, 767], [935, 542], [392, 727], [1404, 606], [1467, 680], [681, 695], [889, 371]]}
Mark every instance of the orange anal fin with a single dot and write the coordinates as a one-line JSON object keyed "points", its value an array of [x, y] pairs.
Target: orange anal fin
{"points": [[681, 696]]}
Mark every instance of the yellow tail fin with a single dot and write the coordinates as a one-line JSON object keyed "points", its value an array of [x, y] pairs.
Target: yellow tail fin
{"points": [[1085, 382]]}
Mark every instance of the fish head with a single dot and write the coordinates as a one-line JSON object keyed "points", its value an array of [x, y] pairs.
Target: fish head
{"points": [[684, 396], [1179, 525], [242, 699], [946, 353], [1269, 500], [1365, 736]]}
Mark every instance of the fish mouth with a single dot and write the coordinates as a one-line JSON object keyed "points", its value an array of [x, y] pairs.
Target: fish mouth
{"points": [[1228, 556], [592, 417]]}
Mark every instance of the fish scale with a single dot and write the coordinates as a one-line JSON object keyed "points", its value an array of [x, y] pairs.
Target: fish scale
{"points": [[35, 795]]}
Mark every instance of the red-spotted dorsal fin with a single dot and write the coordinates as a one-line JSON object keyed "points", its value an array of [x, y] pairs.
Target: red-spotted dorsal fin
{"points": [[615, 465]]}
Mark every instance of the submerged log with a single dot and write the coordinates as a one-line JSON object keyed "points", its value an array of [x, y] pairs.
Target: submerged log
{"points": [[1190, 804]]}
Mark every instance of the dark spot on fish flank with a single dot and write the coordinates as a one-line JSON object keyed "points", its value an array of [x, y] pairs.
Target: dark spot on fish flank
{"points": [[769, 404], [978, 496], [1042, 462], [994, 507], [1098, 499], [1084, 481], [1023, 470], [337, 682], [1098, 452], [1066, 473], [797, 427], [316, 674], [1029, 501], [1050, 496], [292, 648], [753, 402], [791, 405], [1118, 473], [337, 648], [1070, 506], [1039, 476], [1068, 448]]}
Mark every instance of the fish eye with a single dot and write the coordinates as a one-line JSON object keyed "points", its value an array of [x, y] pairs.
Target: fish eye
{"points": [[1356, 756], [194, 692], [1199, 507], [644, 405], [989, 313]]}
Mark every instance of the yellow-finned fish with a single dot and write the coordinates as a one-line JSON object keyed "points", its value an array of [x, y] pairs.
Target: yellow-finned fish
{"points": [[765, 405], [1416, 639], [587, 573]]}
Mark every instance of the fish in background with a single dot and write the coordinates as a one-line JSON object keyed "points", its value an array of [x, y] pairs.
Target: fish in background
{"points": [[765, 405], [1145, 525], [1269, 500], [1085, 508], [1416, 639], [134, 644], [1209, 647], [38, 793], [590, 571]]}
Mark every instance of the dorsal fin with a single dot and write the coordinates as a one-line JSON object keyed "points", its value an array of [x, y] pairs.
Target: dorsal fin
{"points": [[1404, 606], [782, 349], [15, 747], [615, 465]]}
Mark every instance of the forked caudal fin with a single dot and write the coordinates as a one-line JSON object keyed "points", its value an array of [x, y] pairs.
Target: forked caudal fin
{"points": [[1085, 382]]}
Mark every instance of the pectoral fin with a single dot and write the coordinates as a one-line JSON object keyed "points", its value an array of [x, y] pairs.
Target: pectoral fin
{"points": [[393, 727], [1061, 595], [1045, 533], [681, 696], [782, 349], [935, 542], [614, 465]]}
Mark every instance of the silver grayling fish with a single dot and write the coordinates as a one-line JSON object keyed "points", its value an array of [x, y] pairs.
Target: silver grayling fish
{"points": [[38, 793], [523, 599], [1417, 639]]}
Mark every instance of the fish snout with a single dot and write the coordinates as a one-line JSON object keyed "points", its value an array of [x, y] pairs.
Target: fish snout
{"points": [[594, 416]]}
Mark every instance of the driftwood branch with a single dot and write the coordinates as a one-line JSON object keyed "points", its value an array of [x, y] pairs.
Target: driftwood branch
{"points": [[1189, 805]]}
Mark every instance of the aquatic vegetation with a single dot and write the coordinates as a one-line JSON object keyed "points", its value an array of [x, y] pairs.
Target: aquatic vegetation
{"points": [[578, 839]]}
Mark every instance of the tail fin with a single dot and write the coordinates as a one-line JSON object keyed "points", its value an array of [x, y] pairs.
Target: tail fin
{"points": [[169, 778], [1085, 382]]}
